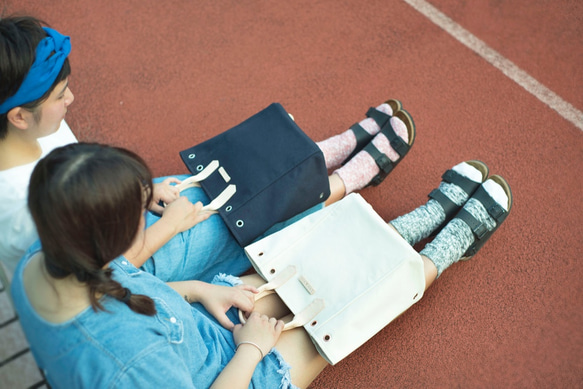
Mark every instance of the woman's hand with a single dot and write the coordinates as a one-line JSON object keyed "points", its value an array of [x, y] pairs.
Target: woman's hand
{"points": [[182, 215], [260, 330], [218, 299], [164, 192]]}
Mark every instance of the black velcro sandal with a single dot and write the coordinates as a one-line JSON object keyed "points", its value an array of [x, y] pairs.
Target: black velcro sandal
{"points": [[467, 185], [495, 210], [397, 143], [362, 137]]}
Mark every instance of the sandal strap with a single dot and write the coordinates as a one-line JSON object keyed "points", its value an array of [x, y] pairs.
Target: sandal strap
{"points": [[478, 228], [448, 206], [381, 159], [467, 185], [383, 162], [380, 117], [495, 210], [362, 137], [397, 143]]}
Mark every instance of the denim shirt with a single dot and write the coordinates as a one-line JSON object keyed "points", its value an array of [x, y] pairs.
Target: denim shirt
{"points": [[182, 346]]}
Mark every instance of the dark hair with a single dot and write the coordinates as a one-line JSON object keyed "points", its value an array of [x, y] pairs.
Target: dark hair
{"points": [[87, 201], [19, 37]]}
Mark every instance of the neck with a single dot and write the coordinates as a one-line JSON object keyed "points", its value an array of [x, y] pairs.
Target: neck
{"points": [[18, 149], [56, 300]]}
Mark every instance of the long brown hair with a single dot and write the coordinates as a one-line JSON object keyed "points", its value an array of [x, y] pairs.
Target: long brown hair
{"points": [[87, 201]]}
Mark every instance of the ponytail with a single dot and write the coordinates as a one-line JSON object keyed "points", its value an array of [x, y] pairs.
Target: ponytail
{"points": [[103, 284]]}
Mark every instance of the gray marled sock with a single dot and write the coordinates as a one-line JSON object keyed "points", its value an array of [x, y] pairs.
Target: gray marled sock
{"points": [[456, 237], [421, 222]]}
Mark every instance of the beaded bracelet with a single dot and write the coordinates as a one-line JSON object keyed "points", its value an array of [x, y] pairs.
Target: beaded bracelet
{"points": [[252, 344]]}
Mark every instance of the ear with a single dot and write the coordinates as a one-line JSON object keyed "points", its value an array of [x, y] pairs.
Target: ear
{"points": [[20, 118]]}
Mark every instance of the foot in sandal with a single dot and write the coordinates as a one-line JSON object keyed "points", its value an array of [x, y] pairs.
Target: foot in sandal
{"points": [[473, 225], [457, 186], [379, 157], [342, 147]]}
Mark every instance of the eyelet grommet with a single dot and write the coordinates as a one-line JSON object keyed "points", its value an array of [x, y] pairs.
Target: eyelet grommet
{"points": [[326, 338], [260, 254], [229, 208], [191, 156], [272, 271], [240, 223], [321, 195], [314, 323], [199, 168]]}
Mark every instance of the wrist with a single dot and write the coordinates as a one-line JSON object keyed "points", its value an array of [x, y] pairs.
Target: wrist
{"points": [[166, 226], [249, 346]]}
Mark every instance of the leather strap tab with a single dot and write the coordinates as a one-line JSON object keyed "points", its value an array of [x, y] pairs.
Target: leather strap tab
{"points": [[478, 228], [397, 143], [494, 209], [382, 161]]}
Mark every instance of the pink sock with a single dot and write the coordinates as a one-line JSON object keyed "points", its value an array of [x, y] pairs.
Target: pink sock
{"points": [[337, 148], [362, 168]]}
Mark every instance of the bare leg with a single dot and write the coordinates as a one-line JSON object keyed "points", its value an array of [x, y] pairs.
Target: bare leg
{"points": [[337, 189], [298, 350], [429, 268], [430, 271], [294, 345]]}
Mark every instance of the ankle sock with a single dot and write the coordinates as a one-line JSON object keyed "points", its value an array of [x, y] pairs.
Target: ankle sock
{"points": [[422, 222], [362, 168], [456, 237], [337, 148]]}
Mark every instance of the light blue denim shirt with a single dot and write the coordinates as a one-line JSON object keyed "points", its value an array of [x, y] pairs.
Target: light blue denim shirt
{"points": [[180, 347]]}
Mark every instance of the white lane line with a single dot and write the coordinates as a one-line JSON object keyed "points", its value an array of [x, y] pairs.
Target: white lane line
{"points": [[544, 94]]}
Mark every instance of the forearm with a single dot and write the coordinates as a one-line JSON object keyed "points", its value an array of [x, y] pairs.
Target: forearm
{"points": [[238, 372], [156, 236], [191, 291]]}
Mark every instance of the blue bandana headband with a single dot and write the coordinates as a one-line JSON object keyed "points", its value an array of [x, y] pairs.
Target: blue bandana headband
{"points": [[51, 53]]}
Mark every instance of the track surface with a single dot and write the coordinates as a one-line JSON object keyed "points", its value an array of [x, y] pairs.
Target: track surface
{"points": [[160, 76]]}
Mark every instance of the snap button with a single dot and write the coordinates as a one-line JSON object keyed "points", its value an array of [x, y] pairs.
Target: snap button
{"points": [[172, 320], [191, 156], [124, 263]]}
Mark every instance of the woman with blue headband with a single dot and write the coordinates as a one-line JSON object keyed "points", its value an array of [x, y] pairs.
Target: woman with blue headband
{"points": [[34, 97]]}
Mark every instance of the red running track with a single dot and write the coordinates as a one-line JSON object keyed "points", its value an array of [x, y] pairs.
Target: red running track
{"points": [[157, 77]]}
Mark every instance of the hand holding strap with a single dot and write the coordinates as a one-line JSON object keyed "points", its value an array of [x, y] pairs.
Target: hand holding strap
{"points": [[194, 181], [300, 319]]}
